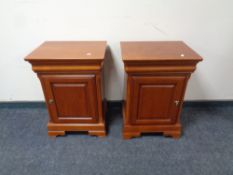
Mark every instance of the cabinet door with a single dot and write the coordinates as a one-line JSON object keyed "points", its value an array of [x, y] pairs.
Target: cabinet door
{"points": [[156, 99], [71, 98]]}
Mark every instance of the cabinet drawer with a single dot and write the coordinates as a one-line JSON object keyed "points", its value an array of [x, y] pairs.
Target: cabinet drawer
{"points": [[71, 98], [155, 99]]}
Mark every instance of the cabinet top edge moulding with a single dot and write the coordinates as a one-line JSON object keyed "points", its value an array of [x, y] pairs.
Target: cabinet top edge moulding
{"points": [[168, 56], [51, 56]]}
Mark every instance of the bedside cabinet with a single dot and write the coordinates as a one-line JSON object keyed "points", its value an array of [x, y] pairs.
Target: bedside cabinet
{"points": [[157, 74], [71, 77]]}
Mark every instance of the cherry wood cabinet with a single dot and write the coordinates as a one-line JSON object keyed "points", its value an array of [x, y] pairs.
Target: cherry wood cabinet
{"points": [[156, 79], [71, 77]]}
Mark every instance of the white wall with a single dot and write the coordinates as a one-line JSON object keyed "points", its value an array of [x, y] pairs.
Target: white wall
{"points": [[205, 25]]}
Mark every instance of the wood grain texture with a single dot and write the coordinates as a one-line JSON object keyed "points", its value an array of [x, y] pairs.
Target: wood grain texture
{"points": [[157, 76], [157, 50], [73, 97], [71, 78], [153, 99], [69, 50]]}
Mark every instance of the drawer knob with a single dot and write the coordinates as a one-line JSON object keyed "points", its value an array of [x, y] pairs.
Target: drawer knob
{"points": [[51, 101], [177, 102]]}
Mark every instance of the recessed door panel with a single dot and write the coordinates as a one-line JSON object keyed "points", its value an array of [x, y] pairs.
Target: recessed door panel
{"points": [[71, 98], [156, 99]]}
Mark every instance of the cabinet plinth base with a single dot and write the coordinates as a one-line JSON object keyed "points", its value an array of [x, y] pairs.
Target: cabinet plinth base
{"points": [[131, 131], [59, 129], [56, 133], [97, 133], [173, 134], [129, 135]]}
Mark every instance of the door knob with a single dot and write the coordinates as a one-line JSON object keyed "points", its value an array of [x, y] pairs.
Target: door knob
{"points": [[51, 101], [177, 102]]}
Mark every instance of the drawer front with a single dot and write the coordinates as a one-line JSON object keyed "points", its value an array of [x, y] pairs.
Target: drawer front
{"points": [[71, 98], [156, 99]]}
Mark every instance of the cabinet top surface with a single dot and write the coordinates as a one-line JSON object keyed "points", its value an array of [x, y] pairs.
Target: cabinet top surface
{"points": [[157, 50], [77, 50]]}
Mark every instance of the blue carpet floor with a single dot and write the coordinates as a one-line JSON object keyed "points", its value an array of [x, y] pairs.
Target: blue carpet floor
{"points": [[206, 147]]}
